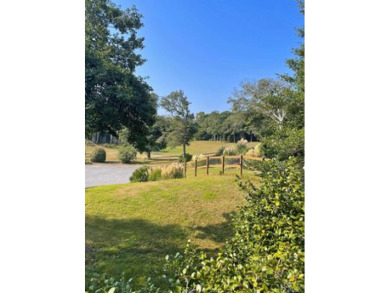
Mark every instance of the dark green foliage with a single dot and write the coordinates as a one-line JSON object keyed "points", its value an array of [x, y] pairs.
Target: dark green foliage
{"points": [[285, 143], [155, 174], [98, 155], [186, 158], [114, 96], [127, 154], [140, 175], [103, 283], [267, 252], [220, 151], [182, 128]]}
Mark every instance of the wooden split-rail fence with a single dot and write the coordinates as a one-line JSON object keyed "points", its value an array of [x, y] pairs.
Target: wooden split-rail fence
{"points": [[224, 163]]}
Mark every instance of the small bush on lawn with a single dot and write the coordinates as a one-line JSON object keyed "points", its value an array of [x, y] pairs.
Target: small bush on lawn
{"points": [[127, 154], [140, 175], [155, 174], [230, 151], [186, 158], [241, 146], [220, 151], [98, 155], [172, 171]]}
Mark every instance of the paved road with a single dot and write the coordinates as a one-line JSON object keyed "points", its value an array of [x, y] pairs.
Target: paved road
{"points": [[105, 174]]}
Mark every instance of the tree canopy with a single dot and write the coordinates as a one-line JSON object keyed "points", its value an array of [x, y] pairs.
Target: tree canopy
{"points": [[115, 97], [182, 128]]}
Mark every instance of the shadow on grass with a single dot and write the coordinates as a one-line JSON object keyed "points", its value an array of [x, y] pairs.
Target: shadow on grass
{"points": [[138, 247], [220, 232]]}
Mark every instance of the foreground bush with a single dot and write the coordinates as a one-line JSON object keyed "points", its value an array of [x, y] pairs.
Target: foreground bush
{"points": [[267, 252], [98, 155], [285, 143], [140, 175], [172, 171], [127, 154]]}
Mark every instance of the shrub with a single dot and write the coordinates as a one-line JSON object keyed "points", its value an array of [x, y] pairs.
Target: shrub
{"points": [[155, 174], [98, 155], [186, 158], [267, 252], [172, 171], [285, 143], [140, 175], [127, 154], [241, 146], [230, 151], [220, 151]]}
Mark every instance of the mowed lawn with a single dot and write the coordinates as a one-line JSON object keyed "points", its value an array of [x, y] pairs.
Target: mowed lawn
{"points": [[132, 227], [170, 154]]}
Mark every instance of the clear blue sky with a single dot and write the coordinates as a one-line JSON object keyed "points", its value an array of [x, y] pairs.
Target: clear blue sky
{"points": [[207, 47]]}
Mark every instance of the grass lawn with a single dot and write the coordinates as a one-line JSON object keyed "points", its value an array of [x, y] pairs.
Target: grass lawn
{"points": [[169, 154], [131, 227]]}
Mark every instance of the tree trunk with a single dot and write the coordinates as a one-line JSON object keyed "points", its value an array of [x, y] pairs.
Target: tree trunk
{"points": [[184, 150], [148, 154]]}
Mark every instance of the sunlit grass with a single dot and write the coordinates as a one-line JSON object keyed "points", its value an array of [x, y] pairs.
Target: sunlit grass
{"points": [[131, 227]]}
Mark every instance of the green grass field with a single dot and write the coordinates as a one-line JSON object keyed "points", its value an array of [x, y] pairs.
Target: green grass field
{"points": [[169, 154], [131, 227]]}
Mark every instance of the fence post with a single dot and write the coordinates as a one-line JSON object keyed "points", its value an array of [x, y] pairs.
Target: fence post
{"points": [[185, 169], [196, 167], [223, 164], [207, 166], [241, 161]]}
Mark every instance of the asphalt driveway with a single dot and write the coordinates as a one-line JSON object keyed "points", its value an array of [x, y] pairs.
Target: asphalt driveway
{"points": [[105, 174]]}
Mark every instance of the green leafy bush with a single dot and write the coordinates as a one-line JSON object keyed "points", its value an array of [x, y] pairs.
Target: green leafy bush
{"points": [[186, 158], [284, 144], [172, 171], [98, 155], [127, 154], [103, 283], [267, 252], [141, 174], [155, 174]]}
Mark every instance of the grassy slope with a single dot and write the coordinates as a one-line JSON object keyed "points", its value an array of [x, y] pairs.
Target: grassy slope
{"points": [[131, 227], [163, 157]]}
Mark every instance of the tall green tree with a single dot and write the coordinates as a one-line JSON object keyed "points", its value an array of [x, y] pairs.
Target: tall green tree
{"points": [[182, 128], [115, 98]]}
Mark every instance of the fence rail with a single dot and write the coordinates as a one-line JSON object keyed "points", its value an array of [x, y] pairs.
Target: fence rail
{"points": [[223, 165]]}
